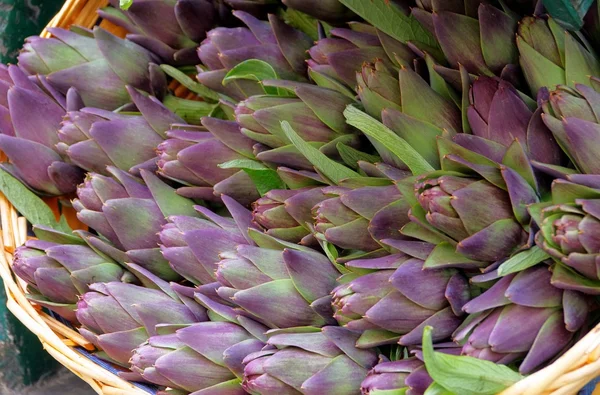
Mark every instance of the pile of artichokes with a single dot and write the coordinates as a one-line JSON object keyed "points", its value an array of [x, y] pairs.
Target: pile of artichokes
{"points": [[340, 193]]}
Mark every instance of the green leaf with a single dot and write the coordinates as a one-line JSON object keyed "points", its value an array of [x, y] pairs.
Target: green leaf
{"points": [[569, 13], [390, 19], [189, 83], [466, 375], [303, 22], [29, 204], [125, 4], [351, 156], [436, 389], [331, 169], [191, 111], [390, 140], [523, 260], [264, 178], [255, 70]]}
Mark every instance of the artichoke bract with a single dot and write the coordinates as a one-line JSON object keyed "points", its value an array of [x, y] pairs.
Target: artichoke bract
{"points": [[170, 29], [94, 139], [476, 35], [335, 60], [315, 113], [393, 298], [26, 134], [118, 317], [450, 207], [551, 56], [309, 361], [58, 272], [217, 142], [276, 43], [568, 226], [407, 374], [571, 115], [498, 113], [522, 317], [130, 214], [213, 353], [98, 65]]}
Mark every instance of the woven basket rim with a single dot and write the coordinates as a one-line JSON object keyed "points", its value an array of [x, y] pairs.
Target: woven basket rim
{"points": [[567, 375]]}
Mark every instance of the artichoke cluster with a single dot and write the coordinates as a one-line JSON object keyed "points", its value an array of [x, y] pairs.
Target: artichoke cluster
{"points": [[336, 188]]}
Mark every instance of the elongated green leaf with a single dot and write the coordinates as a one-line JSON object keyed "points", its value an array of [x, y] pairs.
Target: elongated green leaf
{"points": [[28, 204], [303, 22], [125, 4], [331, 169], [390, 140], [351, 156], [192, 111], [436, 389], [569, 13], [523, 260], [255, 70], [264, 179], [189, 83], [387, 17], [466, 375]]}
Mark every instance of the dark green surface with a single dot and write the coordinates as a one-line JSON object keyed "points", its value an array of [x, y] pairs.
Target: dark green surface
{"points": [[23, 362], [20, 19]]}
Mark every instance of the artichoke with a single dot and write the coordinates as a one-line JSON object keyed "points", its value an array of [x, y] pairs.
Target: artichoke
{"points": [[58, 268], [315, 113], [476, 35], [276, 43], [393, 298], [567, 227], [498, 113], [335, 60], [522, 317], [451, 207], [551, 56], [205, 357], [130, 214], [94, 139], [98, 65], [284, 214], [251, 268], [218, 142], [170, 29], [570, 114], [406, 374], [310, 361], [27, 134], [118, 317]]}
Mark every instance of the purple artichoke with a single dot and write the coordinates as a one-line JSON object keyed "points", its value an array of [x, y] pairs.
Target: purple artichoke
{"points": [[98, 65], [58, 268], [551, 56], [568, 226], [205, 357], [476, 35], [191, 156], [498, 113], [27, 134], [393, 298], [275, 42], [94, 139], [310, 361], [571, 116], [130, 214], [522, 317], [118, 317], [405, 374], [335, 60], [315, 113]]}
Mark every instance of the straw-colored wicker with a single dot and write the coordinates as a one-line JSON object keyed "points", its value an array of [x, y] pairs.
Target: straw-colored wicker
{"points": [[566, 376]]}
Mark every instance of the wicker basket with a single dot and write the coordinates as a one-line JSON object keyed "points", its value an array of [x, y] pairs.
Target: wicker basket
{"points": [[565, 376]]}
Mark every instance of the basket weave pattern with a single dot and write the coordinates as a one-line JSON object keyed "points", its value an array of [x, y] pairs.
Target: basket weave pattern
{"points": [[567, 375]]}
